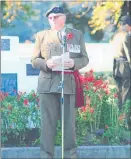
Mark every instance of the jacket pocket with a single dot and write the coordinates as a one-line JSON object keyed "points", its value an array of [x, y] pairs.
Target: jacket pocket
{"points": [[44, 74], [44, 84], [127, 70], [75, 55], [122, 69]]}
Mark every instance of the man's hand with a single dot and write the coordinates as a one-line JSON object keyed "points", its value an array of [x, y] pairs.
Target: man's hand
{"points": [[70, 63], [50, 63]]}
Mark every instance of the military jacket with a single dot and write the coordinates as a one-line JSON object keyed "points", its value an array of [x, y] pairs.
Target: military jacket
{"points": [[122, 54], [48, 44]]}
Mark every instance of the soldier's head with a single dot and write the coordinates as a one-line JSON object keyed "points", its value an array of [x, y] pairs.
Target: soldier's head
{"points": [[126, 23], [56, 17]]}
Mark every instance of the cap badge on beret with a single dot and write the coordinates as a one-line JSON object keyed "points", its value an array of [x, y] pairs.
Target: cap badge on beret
{"points": [[55, 10]]}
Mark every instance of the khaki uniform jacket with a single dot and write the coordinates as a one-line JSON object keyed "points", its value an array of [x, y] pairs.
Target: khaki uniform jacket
{"points": [[49, 44], [121, 46]]}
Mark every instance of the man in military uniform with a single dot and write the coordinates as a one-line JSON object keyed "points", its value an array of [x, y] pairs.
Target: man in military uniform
{"points": [[48, 45], [122, 60]]}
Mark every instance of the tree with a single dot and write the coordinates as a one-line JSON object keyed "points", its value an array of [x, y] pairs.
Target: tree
{"points": [[11, 10], [104, 15], [96, 17]]}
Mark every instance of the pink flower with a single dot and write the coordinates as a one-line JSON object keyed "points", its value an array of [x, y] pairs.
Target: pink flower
{"points": [[69, 36]]}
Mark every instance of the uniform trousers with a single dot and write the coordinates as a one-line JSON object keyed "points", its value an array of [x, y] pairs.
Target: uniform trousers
{"points": [[50, 111], [124, 94], [124, 90]]}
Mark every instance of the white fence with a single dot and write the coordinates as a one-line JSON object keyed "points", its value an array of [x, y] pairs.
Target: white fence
{"points": [[15, 59]]}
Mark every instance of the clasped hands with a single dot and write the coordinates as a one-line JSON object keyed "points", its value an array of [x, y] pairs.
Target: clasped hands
{"points": [[51, 63]]}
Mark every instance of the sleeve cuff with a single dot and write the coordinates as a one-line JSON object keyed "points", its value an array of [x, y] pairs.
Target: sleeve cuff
{"points": [[72, 68], [48, 69]]}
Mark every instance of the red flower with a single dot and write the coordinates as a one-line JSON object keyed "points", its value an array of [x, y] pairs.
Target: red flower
{"points": [[107, 91], [83, 109], [69, 36], [82, 78], [121, 117], [91, 71], [18, 97], [2, 96], [115, 95], [104, 86], [26, 102], [87, 87], [37, 99], [6, 94], [87, 79], [91, 110], [98, 83], [90, 79], [106, 126], [34, 95]]}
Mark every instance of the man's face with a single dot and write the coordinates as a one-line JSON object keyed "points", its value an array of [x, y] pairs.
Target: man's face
{"points": [[56, 21], [128, 27]]}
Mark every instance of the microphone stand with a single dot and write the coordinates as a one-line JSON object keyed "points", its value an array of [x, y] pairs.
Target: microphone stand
{"points": [[62, 92]]}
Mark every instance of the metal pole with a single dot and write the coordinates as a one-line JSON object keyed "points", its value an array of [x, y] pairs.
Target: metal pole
{"points": [[62, 93], [62, 107]]}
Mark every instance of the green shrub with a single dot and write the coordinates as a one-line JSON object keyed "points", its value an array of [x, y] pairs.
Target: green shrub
{"points": [[99, 119], [17, 112]]}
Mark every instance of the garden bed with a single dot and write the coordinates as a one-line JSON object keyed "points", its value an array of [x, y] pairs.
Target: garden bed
{"points": [[98, 123]]}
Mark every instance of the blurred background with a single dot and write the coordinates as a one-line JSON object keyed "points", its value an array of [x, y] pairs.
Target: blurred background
{"points": [[98, 20]]}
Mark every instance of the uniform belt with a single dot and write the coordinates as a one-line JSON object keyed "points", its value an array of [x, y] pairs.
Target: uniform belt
{"points": [[79, 88]]}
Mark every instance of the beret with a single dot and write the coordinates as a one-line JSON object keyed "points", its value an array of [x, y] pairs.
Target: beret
{"points": [[55, 10], [125, 20]]}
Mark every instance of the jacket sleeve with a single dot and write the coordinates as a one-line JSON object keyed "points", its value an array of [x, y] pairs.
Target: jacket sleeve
{"points": [[83, 60], [127, 49], [37, 61]]}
